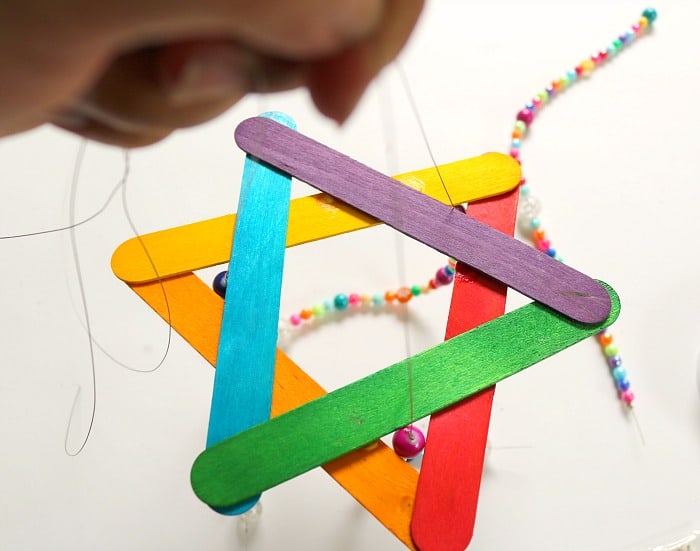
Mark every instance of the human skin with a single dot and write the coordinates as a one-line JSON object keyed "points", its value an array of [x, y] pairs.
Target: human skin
{"points": [[129, 72]]}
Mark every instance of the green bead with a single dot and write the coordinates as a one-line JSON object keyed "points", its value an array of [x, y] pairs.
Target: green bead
{"points": [[415, 290], [318, 310], [611, 350], [520, 125], [650, 14]]}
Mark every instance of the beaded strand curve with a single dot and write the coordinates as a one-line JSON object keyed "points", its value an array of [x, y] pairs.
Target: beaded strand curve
{"points": [[402, 295], [529, 207]]}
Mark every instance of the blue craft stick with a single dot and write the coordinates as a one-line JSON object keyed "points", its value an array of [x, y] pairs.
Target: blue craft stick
{"points": [[242, 395]]}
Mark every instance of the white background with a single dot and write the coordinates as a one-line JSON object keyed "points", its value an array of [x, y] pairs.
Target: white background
{"points": [[614, 161]]}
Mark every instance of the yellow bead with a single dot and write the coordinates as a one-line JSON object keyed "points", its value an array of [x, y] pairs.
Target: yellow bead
{"points": [[587, 65]]}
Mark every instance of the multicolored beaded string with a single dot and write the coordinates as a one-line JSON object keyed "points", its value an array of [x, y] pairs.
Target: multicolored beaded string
{"points": [[342, 302], [529, 206]]}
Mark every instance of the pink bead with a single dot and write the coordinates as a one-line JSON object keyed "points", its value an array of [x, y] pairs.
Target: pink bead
{"points": [[627, 397], [537, 102], [408, 442], [514, 152], [543, 245], [636, 28], [526, 116], [295, 319], [354, 299]]}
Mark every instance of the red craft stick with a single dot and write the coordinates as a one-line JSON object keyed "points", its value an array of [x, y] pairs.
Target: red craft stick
{"points": [[448, 486]]}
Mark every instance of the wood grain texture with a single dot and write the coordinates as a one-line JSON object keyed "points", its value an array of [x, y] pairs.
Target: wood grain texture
{"points": [[448, 487], [378, 479], [245, 367], [359, 413], [435, 224], [207, 243]]}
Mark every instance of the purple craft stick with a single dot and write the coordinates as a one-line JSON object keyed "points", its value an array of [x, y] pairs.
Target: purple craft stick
{"points": [[425, 219]]}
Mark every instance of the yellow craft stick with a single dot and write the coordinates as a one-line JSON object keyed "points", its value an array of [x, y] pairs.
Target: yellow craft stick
{"points": [[208, 243]]}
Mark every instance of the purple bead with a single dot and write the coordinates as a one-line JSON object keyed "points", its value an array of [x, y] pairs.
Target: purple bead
{"points": [[408, 442], [526, 116], [622, 38], [614, 361], [442, 278]]}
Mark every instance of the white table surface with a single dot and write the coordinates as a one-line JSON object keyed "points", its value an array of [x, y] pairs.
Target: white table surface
{"points": [[613, 161]]}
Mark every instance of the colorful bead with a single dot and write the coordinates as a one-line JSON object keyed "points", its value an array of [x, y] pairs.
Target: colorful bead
{"points": [[650, 14], [340, 301], [627, 397], [354, 299], [403, 295], [219, 283], [525, 116], [408, 442]]}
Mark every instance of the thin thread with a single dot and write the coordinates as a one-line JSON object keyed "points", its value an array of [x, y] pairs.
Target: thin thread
{"points": [[389, 129], [122, 185], [636, 424], [416, 114], [130, 221], [76, 260], [70, 226]]}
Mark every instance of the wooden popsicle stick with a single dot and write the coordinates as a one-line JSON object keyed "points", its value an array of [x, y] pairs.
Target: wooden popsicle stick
{"points": [[378, 479], [453, 461], [435, 224], [357, 414], [207, 243], [245, 367]]}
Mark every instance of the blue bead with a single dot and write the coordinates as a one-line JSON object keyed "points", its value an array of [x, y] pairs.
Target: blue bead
{"points": [[340, 301], [219, 284], [535, 223], [551, 252], [650, 14], [377, 299], [571, 74], [328, 305], [529, 105], [623, 385], [619, 373]]}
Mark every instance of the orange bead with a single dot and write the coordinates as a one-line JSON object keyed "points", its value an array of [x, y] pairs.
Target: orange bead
{"points": [[390, 296], [605, 338], [306, 314], [404, 294], [517, 134], [538, 233]]}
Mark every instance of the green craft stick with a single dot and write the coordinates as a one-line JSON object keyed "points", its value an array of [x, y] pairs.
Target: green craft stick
{"points": [[355, 415]]}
